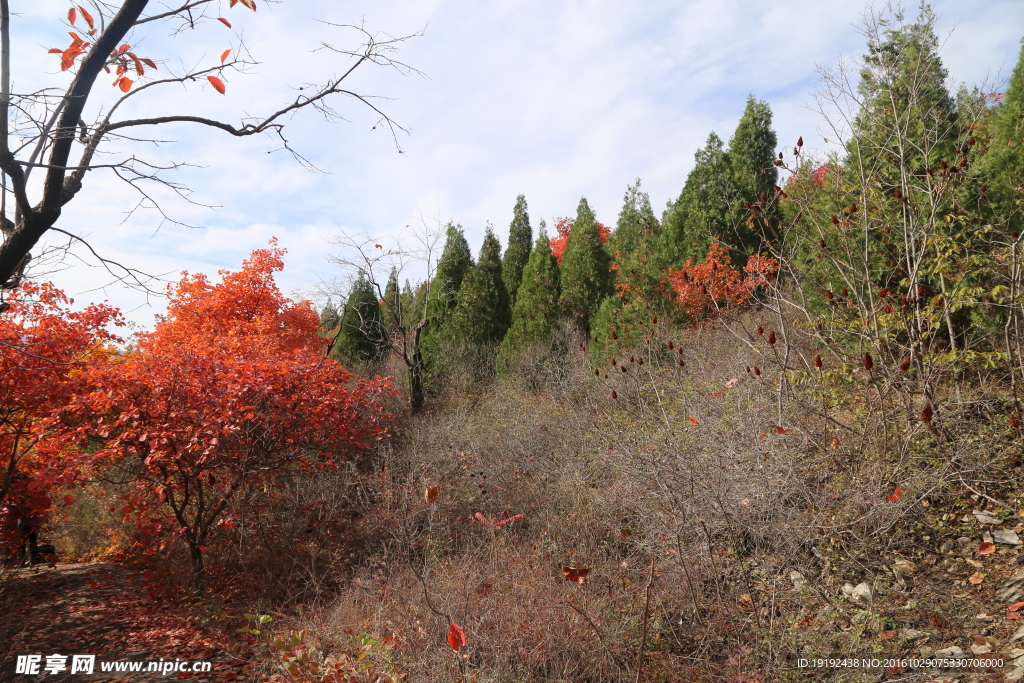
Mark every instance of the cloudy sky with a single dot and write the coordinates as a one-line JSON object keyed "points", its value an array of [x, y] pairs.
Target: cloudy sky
{"points": [[554, 100]]}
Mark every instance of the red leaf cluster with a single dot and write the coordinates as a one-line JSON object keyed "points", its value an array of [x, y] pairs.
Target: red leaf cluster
{"points": [[702, 290], [564, 228]]}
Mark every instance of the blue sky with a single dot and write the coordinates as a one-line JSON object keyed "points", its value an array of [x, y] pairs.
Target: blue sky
{"points": [[552, 100]]}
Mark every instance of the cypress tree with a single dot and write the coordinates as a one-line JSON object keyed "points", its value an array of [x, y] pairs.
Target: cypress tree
{"points": [[482, 315], [535, 314], [329, 318], [1004, 162], [586, 269], [702, 211], [517, 253], [752, 176], [456, 260], [361, 335], [633, 239], [393, 303], [905, 99]]}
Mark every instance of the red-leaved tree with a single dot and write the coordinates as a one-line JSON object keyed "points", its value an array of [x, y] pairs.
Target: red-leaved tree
{"points": [[702, 290], [44, 347], [231, 389], [564, 228]]}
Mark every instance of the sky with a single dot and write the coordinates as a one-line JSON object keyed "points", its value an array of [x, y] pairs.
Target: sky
{"points": [[553, 100]]}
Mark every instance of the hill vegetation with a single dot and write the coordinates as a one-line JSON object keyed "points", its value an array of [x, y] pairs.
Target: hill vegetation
{"points": [[781, 422]]}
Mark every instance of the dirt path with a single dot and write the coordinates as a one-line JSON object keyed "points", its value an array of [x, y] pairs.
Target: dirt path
{"points": [[104, 610]]}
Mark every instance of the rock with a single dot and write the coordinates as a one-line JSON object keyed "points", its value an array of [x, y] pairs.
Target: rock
{"points": [[862, 593], [1006, 537], [798, 579], [913, 633], [1012, 590], [951, 652], [986, 517]]}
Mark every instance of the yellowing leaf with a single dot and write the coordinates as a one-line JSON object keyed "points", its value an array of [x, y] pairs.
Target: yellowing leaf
{"points": [[976, 578]]}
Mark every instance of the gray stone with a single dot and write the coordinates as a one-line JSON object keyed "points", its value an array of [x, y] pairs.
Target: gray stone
{"points": [[862, 593], [1006, 537], [1012, 590], [986, 517]]}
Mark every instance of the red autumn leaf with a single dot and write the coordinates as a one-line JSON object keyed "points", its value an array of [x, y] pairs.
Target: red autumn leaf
{"points": [[614, 395], [575, 574], [431, 493], [771, 338], [251, 4], [88, 17], [1014, 422], [897, 494], [124, 48], [1015, 606], [779, 430], [716, 394], [72, 15], [456, 637], [149, 62], [887, 635], [224, 21], [835, 443], [868, 361], [905, 364], [124, 83], [1012, 615], [763, 435], [217, 84], [68, 500], [927, 413], [163, 494], [224, 56], [692, 420], [986, 548]]}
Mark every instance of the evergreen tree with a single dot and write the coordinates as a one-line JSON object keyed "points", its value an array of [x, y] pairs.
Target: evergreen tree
{"points": [[517, 253], [393, 316], [456, 260], [702, 211], [536, 313], [1004, 162], [329, 317], [586, 269], [361, 335], [482, 315], [905, 99], [752, 177], [635, 234]]}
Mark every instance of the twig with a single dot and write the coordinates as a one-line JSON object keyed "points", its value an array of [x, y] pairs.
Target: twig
{"points": [[643, 637]]}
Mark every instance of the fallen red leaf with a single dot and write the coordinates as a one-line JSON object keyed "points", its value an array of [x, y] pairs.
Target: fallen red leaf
{"points": [[986, 548], [576, 574], [692, 420], [456, 637]]}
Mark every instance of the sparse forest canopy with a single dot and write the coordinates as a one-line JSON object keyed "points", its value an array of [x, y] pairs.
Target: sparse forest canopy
{"points": [[60, 135]]}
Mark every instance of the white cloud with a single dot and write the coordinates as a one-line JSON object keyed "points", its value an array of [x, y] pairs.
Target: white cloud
{"points": [[553, 100]]}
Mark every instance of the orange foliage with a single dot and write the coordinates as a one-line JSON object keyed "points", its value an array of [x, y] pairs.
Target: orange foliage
{"points": [[231, 388], [43, 348], [702, 290], [564, 228]]}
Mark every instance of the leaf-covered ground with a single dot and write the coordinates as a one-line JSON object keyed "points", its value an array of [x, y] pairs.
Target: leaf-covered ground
{"points": [[108, 611]]}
